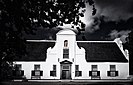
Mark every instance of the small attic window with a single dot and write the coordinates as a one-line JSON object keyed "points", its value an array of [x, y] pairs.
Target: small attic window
{"points": [[66, 43]]}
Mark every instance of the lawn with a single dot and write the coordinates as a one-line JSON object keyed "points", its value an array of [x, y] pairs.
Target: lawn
{"points": [[64, 83]]}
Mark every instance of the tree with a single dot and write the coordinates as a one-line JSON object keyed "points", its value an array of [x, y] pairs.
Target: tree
{"points": [[18, 16], [129, 46]]}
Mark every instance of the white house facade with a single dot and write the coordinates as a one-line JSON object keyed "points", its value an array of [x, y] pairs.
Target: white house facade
{"points": [[67, 58]]}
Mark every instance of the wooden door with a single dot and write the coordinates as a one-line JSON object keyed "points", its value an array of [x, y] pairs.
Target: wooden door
{"points": [[65, 71]]}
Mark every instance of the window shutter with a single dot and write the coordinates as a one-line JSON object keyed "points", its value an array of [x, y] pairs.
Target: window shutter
{"points": [[41, 73], [98, 73], [76, 74], [51, 73], [54, 73], [90, 73], [80, 73], [116, 73], [108, 73], [33, 73], [22, 72]]}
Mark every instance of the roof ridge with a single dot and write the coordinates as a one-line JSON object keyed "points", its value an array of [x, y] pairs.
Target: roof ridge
{"points": [[40, 40], [98, 41]]}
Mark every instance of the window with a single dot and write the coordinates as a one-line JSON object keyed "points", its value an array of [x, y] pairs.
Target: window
{"points": [[65, 67], [18, 70], [54, 67], [37, 73], [94, 68], [65, 53], [94, 71], [112, 68], [77, 72], [65, 56], [66, 43], [112, 72], [18, 67], [77, 67], [36, 67]]}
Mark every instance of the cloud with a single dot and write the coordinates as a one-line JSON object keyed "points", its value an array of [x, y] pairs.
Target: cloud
{"points": [[119, 34], [112, 10], [115, 9], [93, 25]]}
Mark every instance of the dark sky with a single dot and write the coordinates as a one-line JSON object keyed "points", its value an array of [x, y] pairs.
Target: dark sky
{"points": [[114, 18]]}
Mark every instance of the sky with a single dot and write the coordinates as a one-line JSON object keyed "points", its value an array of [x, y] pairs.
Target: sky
{"points": [[113, 19]]}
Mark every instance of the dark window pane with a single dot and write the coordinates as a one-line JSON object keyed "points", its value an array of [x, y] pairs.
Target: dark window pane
{"points": [[78, 73], [65, 55], [94, 73], [94, 67], [66, 43], [54, 67], [112, 68], [37, 73], [36, 67], [112, 73], [65, 51], [66, 67], [76, 67]]}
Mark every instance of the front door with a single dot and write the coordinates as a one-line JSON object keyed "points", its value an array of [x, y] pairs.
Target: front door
{"points": [[65, 71]]}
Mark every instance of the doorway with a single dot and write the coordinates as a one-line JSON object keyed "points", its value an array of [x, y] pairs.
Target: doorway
{"points": [[65, 71]]}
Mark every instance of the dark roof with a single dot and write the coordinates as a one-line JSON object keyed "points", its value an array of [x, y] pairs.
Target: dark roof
{"points": [[95, 51], [102, 52], [36, 51]]}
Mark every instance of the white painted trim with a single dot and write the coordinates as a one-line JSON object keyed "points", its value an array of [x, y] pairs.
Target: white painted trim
{"points": [[97, 41], [76, 41], [40, 40], [66, 32]]}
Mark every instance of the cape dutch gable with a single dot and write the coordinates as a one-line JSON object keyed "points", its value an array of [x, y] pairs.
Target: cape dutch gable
{"points": [[66, 58]]}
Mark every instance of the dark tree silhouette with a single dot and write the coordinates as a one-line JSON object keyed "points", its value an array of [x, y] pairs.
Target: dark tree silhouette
{"points": [[129, 46], [18, 16]]}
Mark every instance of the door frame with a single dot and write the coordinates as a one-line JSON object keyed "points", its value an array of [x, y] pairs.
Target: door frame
{"points": [[65, 63]]}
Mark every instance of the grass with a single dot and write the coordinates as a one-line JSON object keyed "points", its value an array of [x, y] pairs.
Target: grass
{"points": [[63, 83]]}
